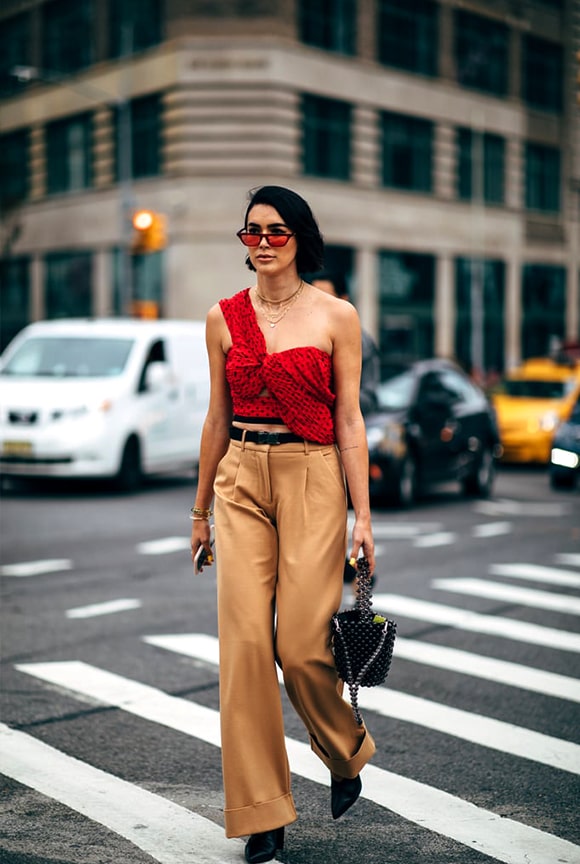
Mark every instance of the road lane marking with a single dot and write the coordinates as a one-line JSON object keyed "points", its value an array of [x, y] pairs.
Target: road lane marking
{"points": [[169, 833], [536, 573], [496, 836], [479, 666], [475, 622], [511, 594], [163, 546], [36, 568], [476, 728], [107, 608], [509, 507], [570, 558], [439, 538], [491, 529]]}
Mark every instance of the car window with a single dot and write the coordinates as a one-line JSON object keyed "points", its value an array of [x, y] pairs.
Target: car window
{"points": [[396, 393], [69, 357], [155, 354], [461, 388], [531, 389]]}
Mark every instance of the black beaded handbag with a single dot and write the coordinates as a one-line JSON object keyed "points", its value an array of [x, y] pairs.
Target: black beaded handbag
{"points": [[362, 642]]}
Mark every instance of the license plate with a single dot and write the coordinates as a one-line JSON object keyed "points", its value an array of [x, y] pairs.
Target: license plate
{"points": [[17, 448]]}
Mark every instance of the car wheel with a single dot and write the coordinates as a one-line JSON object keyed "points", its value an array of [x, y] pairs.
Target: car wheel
{"points": [[130, 475], [562, 479], [480, 482], [407, 489]]}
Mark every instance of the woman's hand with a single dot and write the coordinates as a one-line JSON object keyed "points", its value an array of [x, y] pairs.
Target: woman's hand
{"points": [[200, 536], [362, 538]]}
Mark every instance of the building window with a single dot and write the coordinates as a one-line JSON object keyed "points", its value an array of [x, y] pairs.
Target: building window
{"points": [[543, 309], [542, 178], [15, 45], [407, 35], [407, 152], [481, 53], [69, 154], [328, 24], [68, 26], [68, 292], [326, 137], [480, 166], [479, 304], [542, 74], [14, 171], [14, 297], [140, 292], [143, 127], [133, 26], [406, 296]]}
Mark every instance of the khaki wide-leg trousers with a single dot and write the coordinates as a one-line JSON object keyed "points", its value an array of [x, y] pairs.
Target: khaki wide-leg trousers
{"points": [[281, 542]]}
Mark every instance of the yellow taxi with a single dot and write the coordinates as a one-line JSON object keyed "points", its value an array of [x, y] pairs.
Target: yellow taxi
{"points": [[530, 402]]}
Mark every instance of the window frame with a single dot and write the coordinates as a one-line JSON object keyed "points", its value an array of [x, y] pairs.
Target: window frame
{"points": [[323, 120]]}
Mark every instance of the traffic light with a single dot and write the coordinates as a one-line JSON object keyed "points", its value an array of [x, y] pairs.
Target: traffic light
{"points": [[149, 233]]}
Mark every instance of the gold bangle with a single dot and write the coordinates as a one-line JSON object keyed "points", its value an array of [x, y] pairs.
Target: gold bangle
{"points": [[204, 512], [199, 518]]}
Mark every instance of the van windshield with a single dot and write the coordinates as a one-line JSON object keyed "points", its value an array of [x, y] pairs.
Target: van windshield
{"points": [[69, 357]]}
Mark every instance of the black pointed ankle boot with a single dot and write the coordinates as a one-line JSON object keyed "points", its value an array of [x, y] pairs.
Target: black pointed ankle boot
{"points": [[262, 847], [343, 794]]}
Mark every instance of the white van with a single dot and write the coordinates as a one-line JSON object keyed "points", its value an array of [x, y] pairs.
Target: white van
{"points": [[118, 398]]}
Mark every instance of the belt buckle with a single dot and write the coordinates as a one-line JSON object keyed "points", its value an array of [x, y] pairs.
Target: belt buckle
{"points": [[268, 437]]}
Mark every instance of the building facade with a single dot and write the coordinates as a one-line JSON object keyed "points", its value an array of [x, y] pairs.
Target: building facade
{"points": [[438, 142]]}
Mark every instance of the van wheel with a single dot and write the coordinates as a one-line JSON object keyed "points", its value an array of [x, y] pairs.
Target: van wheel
{"points": [[129, 476]]}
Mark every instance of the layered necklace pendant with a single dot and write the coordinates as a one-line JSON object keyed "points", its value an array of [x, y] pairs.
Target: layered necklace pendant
{"points": [[274, 310]]}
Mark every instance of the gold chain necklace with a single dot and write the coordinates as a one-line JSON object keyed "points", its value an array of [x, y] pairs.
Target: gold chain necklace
{"points": [[280, 313]]}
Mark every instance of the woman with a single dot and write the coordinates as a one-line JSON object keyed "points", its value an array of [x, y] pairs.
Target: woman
{"points": [[283, 428]]}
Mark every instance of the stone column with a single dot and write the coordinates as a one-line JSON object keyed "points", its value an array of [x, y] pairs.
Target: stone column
{"points": [[367, 300], [513, 311], [37, 273], [444, 307]]}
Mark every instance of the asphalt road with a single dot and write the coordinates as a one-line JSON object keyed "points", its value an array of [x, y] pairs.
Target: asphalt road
{"points": [[110, 748]]}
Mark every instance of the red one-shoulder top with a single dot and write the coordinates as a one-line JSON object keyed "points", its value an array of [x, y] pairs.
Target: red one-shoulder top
{"points": [[298, 381]]}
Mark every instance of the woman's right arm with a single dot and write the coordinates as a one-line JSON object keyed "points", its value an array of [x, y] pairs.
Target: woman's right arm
{"points": [[215, 434]]}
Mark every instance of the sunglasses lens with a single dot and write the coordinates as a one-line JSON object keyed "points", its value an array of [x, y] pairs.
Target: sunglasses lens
{"points": [[278, 239], [249, 239]]}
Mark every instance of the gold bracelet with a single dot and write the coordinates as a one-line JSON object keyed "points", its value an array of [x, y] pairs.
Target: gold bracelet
{"points": [[199, 518], [201, 512]]}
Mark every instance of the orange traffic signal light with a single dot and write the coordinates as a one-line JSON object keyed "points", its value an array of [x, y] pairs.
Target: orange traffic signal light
{"points": [[149, 231]]}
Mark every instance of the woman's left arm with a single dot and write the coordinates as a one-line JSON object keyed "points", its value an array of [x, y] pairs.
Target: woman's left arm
{"points": [[349, 425]]}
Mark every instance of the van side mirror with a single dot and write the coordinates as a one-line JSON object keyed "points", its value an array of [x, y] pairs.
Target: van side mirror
{"points": [[157, 376]]}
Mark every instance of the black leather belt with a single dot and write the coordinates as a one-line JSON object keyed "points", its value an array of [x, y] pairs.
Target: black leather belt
{"points": [[265, 437]]}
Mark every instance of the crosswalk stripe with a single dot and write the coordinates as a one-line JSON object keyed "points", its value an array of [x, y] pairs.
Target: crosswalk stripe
{"points": [[498, 837], [484, 731], [169, 833], [475, 622], [491, 529], [107, 608], [511, 594], [36, 568], [572, 559], [500, 671], [163, 546], [509, 507], [439, 538], [536, 573]]}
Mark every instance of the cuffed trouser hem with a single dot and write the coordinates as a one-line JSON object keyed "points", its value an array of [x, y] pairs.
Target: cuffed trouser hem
{"points": [[260, 817], [347, 768]]}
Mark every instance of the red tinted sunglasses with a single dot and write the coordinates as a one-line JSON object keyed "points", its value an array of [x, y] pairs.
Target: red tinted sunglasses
{"points": [[249, 238]]}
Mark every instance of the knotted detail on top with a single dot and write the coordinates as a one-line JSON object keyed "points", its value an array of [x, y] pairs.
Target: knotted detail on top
{"points": [[298, 381]]}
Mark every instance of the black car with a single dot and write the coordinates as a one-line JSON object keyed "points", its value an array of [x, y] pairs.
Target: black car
{"points": [[433, 425], [565, 454]]}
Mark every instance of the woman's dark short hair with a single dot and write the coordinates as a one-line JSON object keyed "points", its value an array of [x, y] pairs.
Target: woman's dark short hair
{"points": [[298, 216]]}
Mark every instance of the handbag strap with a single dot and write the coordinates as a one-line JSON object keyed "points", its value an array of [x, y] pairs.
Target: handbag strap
{"points": [[364, 594]]}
